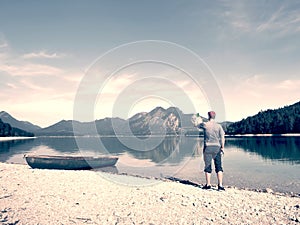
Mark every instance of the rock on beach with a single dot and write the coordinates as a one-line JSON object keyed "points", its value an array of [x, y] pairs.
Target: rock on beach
{"points": [[33, 196]]}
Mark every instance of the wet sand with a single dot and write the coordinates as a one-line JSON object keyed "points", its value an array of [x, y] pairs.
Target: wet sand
{"points": [[32, 196]]}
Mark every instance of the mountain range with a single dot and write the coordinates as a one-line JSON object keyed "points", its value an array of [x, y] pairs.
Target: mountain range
{"points": [[171, 121]]}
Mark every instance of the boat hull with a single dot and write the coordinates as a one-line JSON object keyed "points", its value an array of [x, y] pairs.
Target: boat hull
{"points": [[69, 162]]}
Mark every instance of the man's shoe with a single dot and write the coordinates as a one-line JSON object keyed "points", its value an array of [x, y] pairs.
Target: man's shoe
{"points": [[220, 188], [206, 187]]}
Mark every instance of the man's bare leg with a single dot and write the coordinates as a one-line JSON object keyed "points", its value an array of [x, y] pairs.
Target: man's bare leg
{"points": [[207, 177], [220, 178]]}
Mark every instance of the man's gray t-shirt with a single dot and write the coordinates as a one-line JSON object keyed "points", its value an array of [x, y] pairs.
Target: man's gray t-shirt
{"points": [[213, 133]]}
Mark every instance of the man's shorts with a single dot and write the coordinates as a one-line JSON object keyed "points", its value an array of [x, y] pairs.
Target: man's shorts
{"points": [[212, 153]]}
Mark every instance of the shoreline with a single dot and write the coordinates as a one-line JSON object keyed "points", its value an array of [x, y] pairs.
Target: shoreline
{"points": [[15, 138], [253, 135], [112, 170], [34, 196], [189, 182]]}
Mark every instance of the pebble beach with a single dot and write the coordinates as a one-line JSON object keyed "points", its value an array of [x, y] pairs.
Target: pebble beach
{"points": [[34, 196]]}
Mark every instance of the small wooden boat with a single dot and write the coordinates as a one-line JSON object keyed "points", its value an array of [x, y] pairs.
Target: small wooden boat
{"points": [[69, 162]]}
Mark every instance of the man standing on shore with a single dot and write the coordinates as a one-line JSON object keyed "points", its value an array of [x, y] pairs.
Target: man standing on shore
{"points": [[214, 141]]}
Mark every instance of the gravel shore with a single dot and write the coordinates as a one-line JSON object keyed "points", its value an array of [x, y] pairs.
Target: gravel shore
{"points": [[32, 196]]}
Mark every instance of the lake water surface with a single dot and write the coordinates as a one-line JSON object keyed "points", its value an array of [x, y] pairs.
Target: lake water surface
{"points": [[249, 162]]}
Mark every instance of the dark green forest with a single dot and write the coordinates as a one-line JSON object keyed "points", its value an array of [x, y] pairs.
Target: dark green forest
{"points": [[278, 121], [6, 130]]}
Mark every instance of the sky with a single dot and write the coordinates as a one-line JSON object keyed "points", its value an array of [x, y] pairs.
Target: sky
{"points": [[59, 59]]}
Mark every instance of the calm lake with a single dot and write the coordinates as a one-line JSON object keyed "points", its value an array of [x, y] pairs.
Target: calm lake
{"points": [[249, 162]]}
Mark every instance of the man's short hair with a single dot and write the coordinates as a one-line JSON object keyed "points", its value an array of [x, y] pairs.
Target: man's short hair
{"points": [[211, 115]]}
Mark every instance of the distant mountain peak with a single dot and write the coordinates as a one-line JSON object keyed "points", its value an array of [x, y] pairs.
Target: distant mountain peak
{"points": [[23, 125], [4, 114], [157, 110]]}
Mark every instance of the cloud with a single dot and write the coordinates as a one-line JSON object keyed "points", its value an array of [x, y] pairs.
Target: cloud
{"points": [[43, 54], [117, 83], [289, 85], [36, 90], [284, 21], [32, 88], [3, 45], [3, 49], [29, 69], [246, 96], [260, 86], [267, 24], [235, 15], [241, 25], [278, 17], [3, 42], [44, 99], [15, 65]]}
